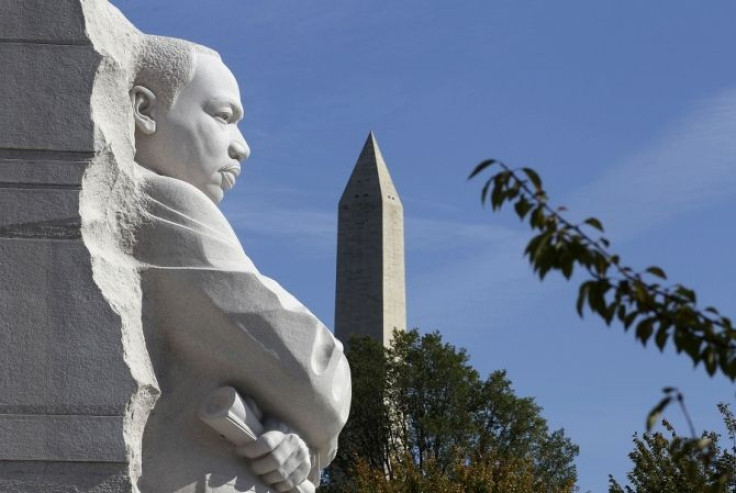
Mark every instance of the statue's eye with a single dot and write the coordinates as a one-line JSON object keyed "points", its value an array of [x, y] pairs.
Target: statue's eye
{"points": [[224, 116]]}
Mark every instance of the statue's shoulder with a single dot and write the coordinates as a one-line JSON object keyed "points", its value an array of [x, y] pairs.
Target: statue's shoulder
{"points": [[182, 226], [178, 195]]}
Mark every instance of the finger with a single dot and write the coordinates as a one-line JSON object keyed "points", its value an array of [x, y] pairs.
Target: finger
{"points": [[277, 477], [264, 445], [304, 487], [299, 464], [301, 473], [265, 465], [299, 454], [294, 469], [283, 486], [276, 459]]}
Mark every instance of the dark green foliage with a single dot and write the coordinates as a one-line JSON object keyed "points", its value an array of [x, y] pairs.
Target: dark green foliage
{"points": [[611, 290], [420, 410], [665, 464]]}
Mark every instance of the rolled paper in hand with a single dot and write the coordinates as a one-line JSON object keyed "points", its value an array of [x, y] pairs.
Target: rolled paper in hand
{"points": [[228, 414]]}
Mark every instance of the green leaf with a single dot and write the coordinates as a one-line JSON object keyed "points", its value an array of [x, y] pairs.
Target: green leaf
{"points": [[496, 194], [656, 271], [601, 264], [621, 312], [596, 298], [685, 341], [533, 245], [686, 293], [712, 310], [610, 312], [533, 177], [583, 296], [656, 412], [709, 358], [567, 265], [595, 223], [484, 192], [481, 166], [644, 330], [630, 319], [522, 207], [662, 335], [640, 292], [538, 218]]}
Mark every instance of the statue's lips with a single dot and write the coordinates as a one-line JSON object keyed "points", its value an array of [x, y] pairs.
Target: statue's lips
{"points": [[229, 173]]}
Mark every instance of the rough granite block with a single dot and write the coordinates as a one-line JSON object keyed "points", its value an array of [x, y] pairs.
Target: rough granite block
{"points": [[63, 477], [39, 171], [46, 21], [46, 212], [66, 356], [45, 102], [62, 438]]}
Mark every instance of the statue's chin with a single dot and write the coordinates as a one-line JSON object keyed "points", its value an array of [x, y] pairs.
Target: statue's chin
{"points": [[214, 193]]}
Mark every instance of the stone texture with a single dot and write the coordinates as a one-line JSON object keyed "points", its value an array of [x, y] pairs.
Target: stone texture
{"points": [[66, 357], [46, 95], [211, 319], [63, 477], [126, 296], [63, 438], [370, 293], [33, 169], [66, 386], [47, 213], [42, 21]]}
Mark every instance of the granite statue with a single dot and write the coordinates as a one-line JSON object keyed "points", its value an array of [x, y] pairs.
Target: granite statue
{"points": [[210, 319], [145, 353]]}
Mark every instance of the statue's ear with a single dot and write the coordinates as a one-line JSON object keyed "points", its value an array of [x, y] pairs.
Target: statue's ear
{"points": [[144, 109]]}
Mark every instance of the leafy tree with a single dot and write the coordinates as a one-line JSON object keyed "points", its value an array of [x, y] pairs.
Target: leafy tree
{"points": [[424, 420], [492, 474], [612, 290], [664, 464]]}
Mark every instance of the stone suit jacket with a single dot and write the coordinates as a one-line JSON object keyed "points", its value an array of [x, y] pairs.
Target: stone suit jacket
{"points": [[211, 319]]}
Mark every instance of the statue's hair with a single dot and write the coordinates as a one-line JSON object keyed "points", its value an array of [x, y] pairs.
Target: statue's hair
{"points": [[165, 65]]}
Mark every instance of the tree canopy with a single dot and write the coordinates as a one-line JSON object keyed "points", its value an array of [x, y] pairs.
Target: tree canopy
{"points": [[424, 420], [664, 463]]}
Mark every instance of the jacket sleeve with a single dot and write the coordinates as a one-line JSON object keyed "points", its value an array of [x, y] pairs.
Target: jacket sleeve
{"points": [[219, 314]]}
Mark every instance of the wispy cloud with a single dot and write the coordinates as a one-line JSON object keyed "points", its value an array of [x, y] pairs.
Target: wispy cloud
{"points": [[455, 267], [311, 228], [424, 234], [464, 285], [692, 165]]}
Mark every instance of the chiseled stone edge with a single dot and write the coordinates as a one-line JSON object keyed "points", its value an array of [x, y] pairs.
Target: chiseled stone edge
{"points": [[109, 208]]}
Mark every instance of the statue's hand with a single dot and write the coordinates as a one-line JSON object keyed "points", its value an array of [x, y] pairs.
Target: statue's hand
{"points": [[281, 460]]}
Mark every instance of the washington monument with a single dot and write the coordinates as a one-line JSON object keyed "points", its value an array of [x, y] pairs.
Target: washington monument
{"points": [[370, 294]]}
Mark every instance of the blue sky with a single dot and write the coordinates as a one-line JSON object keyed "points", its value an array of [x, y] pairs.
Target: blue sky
{"points": [[626, 108]]}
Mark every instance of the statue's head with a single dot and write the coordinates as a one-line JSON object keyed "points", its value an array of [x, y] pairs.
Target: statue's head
{"points": [[186, 105]]}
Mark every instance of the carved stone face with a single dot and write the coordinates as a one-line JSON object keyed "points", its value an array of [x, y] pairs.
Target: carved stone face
{"points": [[197, 140]]}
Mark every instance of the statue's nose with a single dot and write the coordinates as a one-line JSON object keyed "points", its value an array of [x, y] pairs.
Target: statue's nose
{"points": [[239, 150]]}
